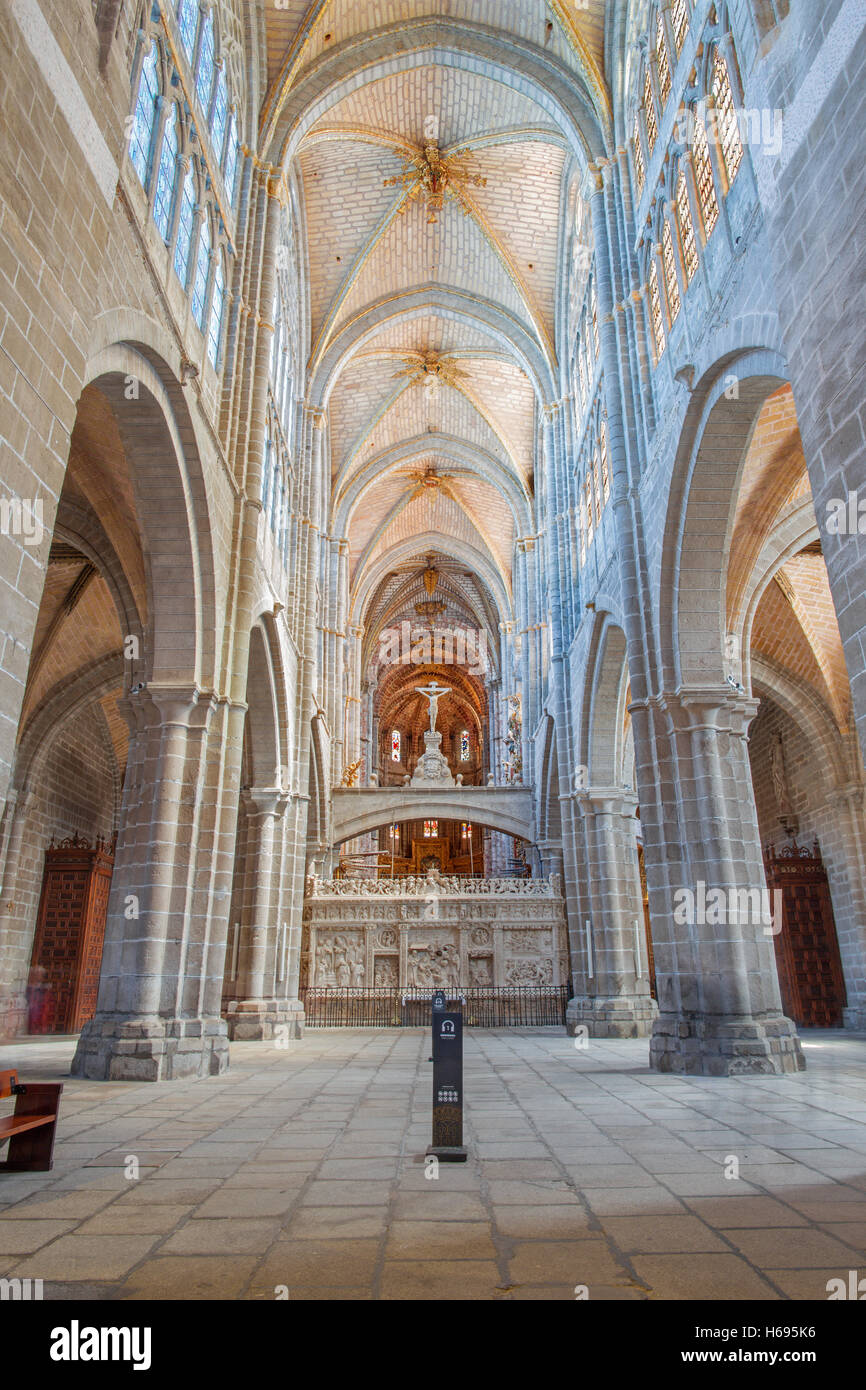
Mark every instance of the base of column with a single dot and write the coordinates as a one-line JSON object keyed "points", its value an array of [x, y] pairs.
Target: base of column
{"points": [[618, 1016], [724, 1046], [854, 1018], [14, 1015], [257, 1020], [151, 1049]]}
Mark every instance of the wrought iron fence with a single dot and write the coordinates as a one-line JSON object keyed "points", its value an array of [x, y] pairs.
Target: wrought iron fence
{"points": [[504, 1006]]}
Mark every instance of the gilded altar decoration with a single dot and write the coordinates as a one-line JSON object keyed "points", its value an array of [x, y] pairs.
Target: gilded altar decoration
{"points": [[430, 368], [350, 774], [436, 177]]}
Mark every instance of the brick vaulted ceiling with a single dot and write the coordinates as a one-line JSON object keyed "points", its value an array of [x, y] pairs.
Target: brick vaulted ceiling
{"points": [[448, 459]]}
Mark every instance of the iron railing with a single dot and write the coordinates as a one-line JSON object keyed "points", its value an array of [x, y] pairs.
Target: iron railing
{"points": [[504, 1006]]}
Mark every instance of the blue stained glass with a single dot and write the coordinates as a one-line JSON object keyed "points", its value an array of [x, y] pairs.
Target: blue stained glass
{"points": [[144, 117], [202, 268], [204, 76], [220, 114], [231, 160], [187, 23], [184, 229], [166, 177], [216, 314], [464, 747]]}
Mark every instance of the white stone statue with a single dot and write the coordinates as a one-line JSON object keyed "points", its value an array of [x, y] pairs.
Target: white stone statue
{"points": [[433, 693]]}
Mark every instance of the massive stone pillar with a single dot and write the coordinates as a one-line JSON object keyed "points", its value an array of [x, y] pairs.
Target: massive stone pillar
{"points": [[155, 940], [609, 965], [720, 1011], [263, 1008]]}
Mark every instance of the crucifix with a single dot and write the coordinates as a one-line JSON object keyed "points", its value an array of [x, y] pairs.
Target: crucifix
{"points": [[433, 692]]}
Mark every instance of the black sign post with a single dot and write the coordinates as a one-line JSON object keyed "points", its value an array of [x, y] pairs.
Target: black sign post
{"points": [[447, 1143]]}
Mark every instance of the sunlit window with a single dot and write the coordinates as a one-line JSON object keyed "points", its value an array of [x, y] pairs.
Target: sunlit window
{"points": [[656, 310], [231, 158], [165, 179], [669, 262], [220, 113], [637, 151], [649, 112], [704, 179], [687, 228], [680, 21], [605, 462], [395, 745], [590, 514], [727, 124], [465, 829], [184, 229], [144, 116], [593, 304], [663, 61], [464, 746], [431, 829]]}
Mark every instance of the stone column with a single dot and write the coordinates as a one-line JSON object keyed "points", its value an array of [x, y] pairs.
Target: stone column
{"points": [[140, 1030], [259, 1012], [720, 1011], [615, 1001]]}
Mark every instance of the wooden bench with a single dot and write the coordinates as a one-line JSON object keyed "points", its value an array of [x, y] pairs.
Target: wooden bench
{"points": [[30, 1130]]}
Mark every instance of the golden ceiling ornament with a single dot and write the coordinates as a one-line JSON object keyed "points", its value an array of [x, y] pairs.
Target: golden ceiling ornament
{"points": [[430, 609], [435, 177], [431, 367], [431, 579]]}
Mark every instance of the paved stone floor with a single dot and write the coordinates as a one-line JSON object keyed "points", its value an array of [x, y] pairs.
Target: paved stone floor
{"points": [[304, 1169]]}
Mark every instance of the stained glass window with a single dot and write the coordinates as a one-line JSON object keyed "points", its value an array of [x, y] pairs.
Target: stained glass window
{"points": [[637, 149], [581, 528], [220, 113], [464, 746], [587, 501], [395, 746], [656, 309], [593, 302], [727, 125], [680, 21], [216, 313], [231, 159], [687, 228], [166, 177], [704, 178], [187, 23], [431, 829], [605, 462], [205, 74], [184, 229], [669, 262], [202, 270], [596, 485], [144, 117], [465, 829], [649, 112], [395, 831], [581, 377], [266, 470], [663, 61]]}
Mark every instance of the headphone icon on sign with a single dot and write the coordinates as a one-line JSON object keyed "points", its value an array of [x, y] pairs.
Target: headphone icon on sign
{"points": [[447, 1028]]}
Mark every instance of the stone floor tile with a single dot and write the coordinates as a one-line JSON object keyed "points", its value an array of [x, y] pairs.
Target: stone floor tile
{"points": [[189, 1277], [712, 1278], [211, 1236]]}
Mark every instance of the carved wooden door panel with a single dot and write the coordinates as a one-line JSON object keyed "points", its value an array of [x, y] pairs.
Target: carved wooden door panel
{"points": [[70, 929], [807, 950]]}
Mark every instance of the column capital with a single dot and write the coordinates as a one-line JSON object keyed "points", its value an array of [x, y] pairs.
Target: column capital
{"points": [[606, 801], [713, 708]]}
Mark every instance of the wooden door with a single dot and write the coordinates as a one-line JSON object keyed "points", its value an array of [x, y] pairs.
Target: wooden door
{"points": [[807, 950], [70, 930]]}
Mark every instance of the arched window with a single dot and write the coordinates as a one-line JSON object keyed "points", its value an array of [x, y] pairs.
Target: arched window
{"points": [[605, 462], [266, 470], [727, 125], [431, 829], [464, 746], [680, 22], [205, 71], [649, 108], [663, 61], [637, 148], [187, 23], [202, 270], [656, 309], [144, 116], [395, 745], [230, 159], [670, 265], [593, 305], [220, 113], [687, 228], [167, 176], [596, 483], [216, 313], [184, 229], [704, 179]]}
